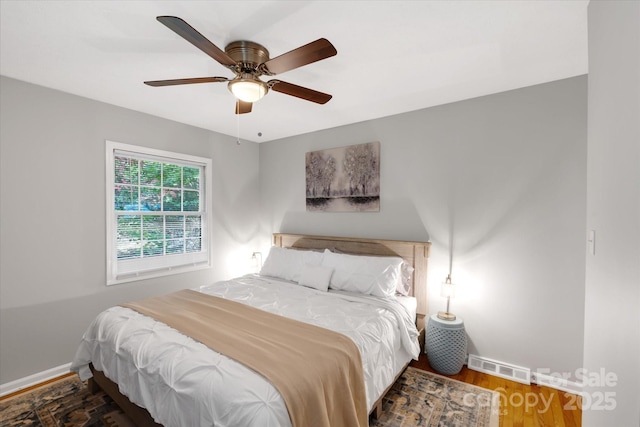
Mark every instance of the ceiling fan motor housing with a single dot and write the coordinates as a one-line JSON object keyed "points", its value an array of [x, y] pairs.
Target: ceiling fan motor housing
{"points": [[249, 54]]}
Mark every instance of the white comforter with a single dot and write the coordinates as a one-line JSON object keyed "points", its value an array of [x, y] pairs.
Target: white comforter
{"points": [[184, 383]]}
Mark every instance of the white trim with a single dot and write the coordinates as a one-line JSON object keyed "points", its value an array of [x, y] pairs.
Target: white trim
{"points": [[31, 380], [158, 273], [558, 383]]}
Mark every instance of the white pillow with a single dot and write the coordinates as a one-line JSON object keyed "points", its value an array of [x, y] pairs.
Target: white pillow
{"points": [[404, 284], [372, 275], [316, 276], [287, 264]]}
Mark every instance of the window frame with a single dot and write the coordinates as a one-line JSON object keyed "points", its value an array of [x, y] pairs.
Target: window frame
{"points": [[156, 266]]}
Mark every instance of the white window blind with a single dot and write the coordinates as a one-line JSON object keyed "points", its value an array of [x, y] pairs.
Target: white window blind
{"points": [[158, 205]]}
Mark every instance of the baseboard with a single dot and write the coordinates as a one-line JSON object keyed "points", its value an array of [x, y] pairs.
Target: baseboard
{"points": [[558, 383], [31, 380]]}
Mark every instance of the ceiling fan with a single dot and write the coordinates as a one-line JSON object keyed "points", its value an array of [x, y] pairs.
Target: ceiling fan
{"points": [[249, 61]]}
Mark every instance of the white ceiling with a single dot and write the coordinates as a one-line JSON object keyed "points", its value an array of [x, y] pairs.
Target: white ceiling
{"points": [[393, 56]]}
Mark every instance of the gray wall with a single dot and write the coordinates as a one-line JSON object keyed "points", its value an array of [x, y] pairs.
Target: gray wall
{"points": [[499, 180], [612, 316], [52, 270]]}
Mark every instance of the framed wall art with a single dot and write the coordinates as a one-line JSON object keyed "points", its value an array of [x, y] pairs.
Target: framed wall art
{"points": [[345, 179]]}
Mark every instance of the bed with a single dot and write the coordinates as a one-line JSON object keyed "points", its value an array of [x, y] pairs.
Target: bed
{"points": [[155, 372]]}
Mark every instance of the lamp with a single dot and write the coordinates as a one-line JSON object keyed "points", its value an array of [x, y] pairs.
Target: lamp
{"points": [[248, 88], [448, 291], [256, 257]]}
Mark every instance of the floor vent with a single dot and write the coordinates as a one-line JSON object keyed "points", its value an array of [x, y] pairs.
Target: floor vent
{"points": [[500, 369]]}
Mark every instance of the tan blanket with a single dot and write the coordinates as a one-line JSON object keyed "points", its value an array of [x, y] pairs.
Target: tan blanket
{"points": [[318, 372]]}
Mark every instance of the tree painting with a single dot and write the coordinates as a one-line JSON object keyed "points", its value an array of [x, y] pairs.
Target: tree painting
{"points": [[344, 179]]}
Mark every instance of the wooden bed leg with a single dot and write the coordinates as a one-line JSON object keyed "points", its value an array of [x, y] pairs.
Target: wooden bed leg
{"points": [[93, 386], [376, 412]]}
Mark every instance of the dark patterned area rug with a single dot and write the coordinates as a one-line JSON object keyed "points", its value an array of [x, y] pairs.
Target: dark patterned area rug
{"points": [[418, 398], [65, 402]]}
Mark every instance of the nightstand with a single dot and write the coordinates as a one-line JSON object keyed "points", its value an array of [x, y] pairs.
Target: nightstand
{"points": [[446, 344]]}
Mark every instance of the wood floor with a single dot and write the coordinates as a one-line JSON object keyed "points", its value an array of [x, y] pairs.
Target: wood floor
{"points": [[522, 405]]}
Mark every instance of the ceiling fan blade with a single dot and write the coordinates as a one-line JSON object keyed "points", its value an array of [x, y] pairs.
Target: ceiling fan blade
{"points": [[299, 91], [243, 107], [158, 83], [190, 34], [307, 54]]}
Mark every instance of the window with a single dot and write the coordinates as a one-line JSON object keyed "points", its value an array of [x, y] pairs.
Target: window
{"points": [[158, 205]]}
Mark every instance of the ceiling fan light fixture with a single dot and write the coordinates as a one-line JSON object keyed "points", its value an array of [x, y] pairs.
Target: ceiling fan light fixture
{"points": [[248, 90]]}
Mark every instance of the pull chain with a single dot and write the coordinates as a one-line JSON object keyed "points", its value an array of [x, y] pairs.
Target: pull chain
{"points": [[238, 125]]}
